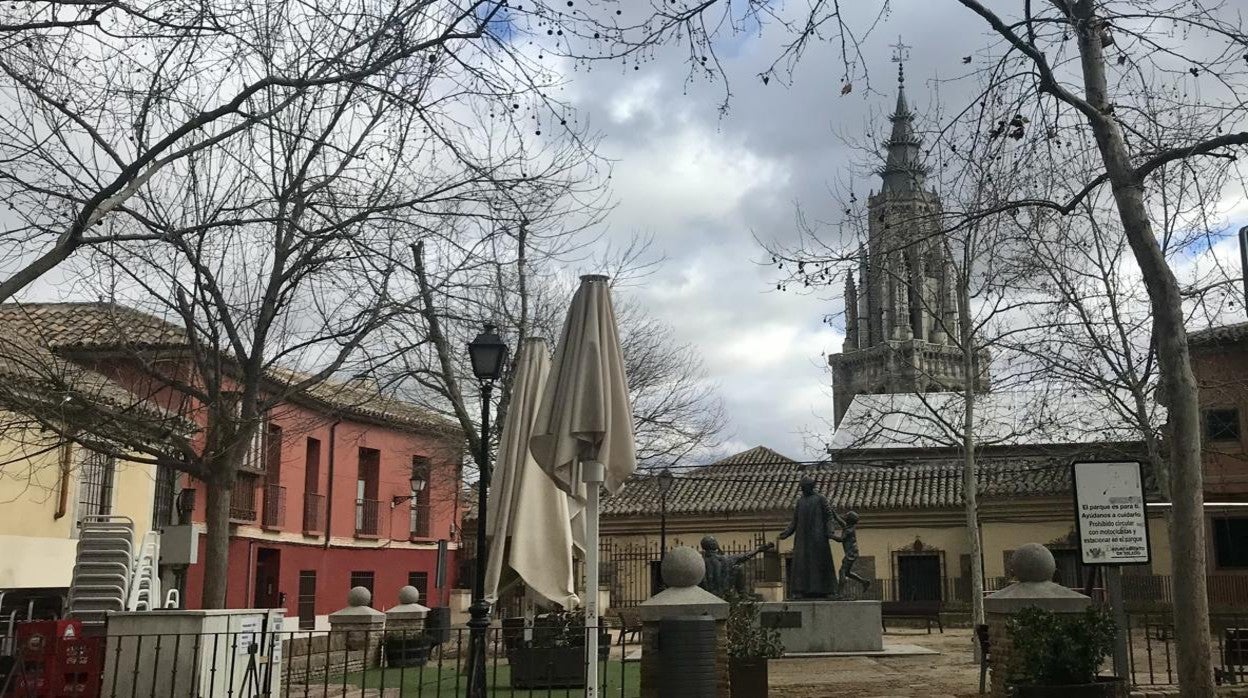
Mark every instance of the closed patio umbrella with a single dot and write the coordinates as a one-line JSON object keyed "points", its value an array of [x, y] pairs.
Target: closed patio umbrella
{"points": [[525, 506], [583, 436]]}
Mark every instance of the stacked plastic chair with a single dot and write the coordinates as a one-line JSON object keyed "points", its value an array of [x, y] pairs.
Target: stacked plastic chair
{"points": [[103, 568], [145, 582]]}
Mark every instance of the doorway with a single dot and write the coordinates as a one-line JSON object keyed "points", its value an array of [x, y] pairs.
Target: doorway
{"points": [[918, 577], [268, 576]]}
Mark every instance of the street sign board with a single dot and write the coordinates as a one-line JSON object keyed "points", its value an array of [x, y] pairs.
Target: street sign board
{"points": [[1109, 513]]}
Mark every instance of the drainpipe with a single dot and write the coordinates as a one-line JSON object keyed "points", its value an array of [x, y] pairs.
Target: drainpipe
{"points": [[62, 503], [329, 487]]}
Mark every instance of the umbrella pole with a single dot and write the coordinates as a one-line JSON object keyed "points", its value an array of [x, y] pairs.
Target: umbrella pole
{"points": [[592, 472]]}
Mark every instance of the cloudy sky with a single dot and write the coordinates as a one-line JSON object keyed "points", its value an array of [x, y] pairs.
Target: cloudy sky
{"points": [[708, 187]]}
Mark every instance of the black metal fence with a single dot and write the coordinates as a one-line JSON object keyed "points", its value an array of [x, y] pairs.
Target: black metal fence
{"points": [[519, 661], [1152, 658], [631, 571]]}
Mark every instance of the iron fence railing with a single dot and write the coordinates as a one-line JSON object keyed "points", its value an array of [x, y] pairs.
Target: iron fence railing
{"points": [[1153, 661], [432, 663], [313, 513], [274, 506], [366, 517]]}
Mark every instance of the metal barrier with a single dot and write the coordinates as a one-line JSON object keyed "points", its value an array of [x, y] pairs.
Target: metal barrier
{"points": [[1153, 660], [406, 663]]}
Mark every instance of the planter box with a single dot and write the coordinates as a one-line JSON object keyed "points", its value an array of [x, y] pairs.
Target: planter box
{"points": [[547, 667], [1104, 687], [748, 678], [552, 667], [407, 652]]}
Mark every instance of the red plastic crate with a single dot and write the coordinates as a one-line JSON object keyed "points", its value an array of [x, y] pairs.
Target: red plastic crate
{"points": [[54, 660]]}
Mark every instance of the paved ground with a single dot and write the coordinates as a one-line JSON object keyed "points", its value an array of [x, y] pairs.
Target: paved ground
{"points": [[952, 673]]}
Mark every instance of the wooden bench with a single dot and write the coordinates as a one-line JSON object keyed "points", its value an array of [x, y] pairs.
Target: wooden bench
{"points": [[912, 610]]}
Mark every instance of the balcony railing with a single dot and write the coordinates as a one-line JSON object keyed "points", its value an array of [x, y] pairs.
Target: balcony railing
{"points": [[313, 513], [274, 506], [420, 520], [243, 500], [366, 518]]}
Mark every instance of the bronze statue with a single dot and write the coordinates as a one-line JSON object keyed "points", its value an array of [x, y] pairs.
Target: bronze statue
{"points": [[849, 541], [813, 573], [723, 572]]}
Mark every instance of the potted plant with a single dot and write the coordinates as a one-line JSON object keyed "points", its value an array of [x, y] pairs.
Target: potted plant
{"points": [[555, 656], [1057, 655], [750, 645]]}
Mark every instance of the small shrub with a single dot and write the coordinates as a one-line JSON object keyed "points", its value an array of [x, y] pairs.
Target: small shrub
{"points": [[747, 638], [1059, 649]]}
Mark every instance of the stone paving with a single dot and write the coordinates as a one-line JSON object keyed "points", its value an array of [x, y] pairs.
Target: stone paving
{"points": [[953, 673]]}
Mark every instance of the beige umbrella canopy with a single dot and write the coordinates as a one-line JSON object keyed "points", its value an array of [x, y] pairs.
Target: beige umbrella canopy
{"points": [[524, 504], [585, 412], [583, 436]]}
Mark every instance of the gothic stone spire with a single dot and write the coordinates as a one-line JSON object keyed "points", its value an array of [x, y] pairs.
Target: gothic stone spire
{"points": [[903, 170]]}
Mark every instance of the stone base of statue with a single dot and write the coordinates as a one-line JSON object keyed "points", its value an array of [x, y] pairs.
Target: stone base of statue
{"points": [[819, 626]]}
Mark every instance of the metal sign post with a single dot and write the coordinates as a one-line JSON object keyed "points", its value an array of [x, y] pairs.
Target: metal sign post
{"points": [[1113, 531]]}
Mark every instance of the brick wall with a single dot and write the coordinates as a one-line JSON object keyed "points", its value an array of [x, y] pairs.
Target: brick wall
{"points": [[310, 659]]}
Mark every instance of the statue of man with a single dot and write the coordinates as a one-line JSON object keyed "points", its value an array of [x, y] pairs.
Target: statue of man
{"points": [[723, 572], [813, 574]]}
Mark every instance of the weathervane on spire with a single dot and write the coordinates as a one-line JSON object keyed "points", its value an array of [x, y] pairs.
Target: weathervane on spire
{"points": [[901, 54]]}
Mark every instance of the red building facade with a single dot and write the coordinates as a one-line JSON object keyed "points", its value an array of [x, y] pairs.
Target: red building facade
{"points": [[324, 500]]}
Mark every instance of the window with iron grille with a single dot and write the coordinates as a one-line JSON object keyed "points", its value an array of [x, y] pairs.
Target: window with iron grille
{"points": [[1222, 424], [95, 485], [420, 580], [363, 578], [162, 499], [307, 599]]}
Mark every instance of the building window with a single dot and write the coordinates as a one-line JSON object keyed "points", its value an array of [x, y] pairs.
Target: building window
{"points": [[364, 579], [420, 580], [95, 485], [162, 501], [366, 489], [307, 600], [1230, 543], [419, 524], [1222, 424]]}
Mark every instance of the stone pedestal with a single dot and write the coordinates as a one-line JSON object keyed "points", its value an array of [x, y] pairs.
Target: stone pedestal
{"points": [[1034, 565], [358, 625], [818, 626], [409, 616], [682, 569]]}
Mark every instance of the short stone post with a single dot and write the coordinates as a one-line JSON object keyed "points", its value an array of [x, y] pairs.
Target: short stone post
{"points": [[357, 628], [409, 616], [1034, 566], [683, 568]]}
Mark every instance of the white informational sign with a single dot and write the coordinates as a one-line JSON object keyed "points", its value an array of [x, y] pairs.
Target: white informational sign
{"points": [[249, 629], [1109, 512]]}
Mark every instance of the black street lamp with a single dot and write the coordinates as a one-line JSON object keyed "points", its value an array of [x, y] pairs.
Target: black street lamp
{"points": [[488, 354], [418, 485]]}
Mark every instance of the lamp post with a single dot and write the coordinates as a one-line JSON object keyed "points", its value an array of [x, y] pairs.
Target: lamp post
{"points": [[418, 483], [488, 354], [665, 486]]}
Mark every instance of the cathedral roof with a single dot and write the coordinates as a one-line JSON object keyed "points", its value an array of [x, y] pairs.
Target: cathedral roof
{"points": [[903, 170]]}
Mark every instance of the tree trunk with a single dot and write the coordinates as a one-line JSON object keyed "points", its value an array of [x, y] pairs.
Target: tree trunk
{"points": [[216, 543], [970, 483], [1178, 383]]}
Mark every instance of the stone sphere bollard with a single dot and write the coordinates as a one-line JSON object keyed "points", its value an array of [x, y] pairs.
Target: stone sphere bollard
{"points": [[683, 567], [359, 596], [1033, 563], [409, 594]]}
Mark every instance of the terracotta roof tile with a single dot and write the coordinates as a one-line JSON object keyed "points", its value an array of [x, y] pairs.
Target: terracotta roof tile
{"points": [[1225, 334], [74, 328]]}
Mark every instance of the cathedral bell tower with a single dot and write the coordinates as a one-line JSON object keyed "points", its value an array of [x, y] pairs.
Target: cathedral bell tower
{"points": [[901, 319]]}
